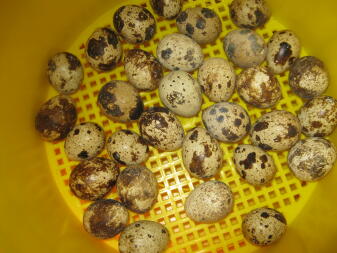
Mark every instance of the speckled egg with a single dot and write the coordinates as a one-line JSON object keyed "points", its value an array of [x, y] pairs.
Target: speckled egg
{"points": [[257, 86], [103, 49], [55, 118], [94, 178], [209, 202], [144, 236], [85, 141], [318, 116], [142, 69], [120, 101], [264, 226], [127, 148], [217, 79], [226, 122], [105, 218], [161, 129], [179, 52], [276, 130], [311, 159], [245, 48], [137, 188], [65, 72], [168, 9], [283, 49], [249, 14], [253, 164], [308, 77], [134, 23], [181, 93], [201, 24], [202, 154]]}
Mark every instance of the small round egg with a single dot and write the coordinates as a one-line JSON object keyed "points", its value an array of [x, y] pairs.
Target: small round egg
{"points": [[134, 23], [127, 148], [179, 52], [85, 141], [311, 159], [249, 14], [308, 77], [144, 236], [161, 129], [105, 218], [201, 24], [137, 188], [283, 49], [142, 69], [318, 116], [245, 48], [55, 118], [209, 202], [276, 130], [103, 49], [217, 79], [94, 178], [168, 9], [202, 154], [264, 226], [120, 101], [257, 86], [181, 93], [65, 72], [226, 122], [254, 165]]}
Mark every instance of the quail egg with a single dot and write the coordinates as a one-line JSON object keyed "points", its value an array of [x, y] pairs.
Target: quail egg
{"points": [[166, 8]]}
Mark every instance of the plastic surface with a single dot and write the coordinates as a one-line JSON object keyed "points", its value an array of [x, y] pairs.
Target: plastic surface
{"points": [[33, 189]]}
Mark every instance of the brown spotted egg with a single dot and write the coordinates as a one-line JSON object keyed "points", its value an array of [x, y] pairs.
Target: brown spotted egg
{"points": [[264, 226], [202, 154], [94, 178], [166, 8], [226, 122], [134, 23], [312, 159], [253, 164], [276, 130], [103, 49]]}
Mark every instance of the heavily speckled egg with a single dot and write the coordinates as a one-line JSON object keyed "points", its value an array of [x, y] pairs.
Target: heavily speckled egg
{"points": [[249, 13], [137, 188], [311, 159], [144, 237], [65, 72], [202, 154], [217, 79], [201, 24], [94, 178], [181, 93], [209, 202], [103, 49], [142, 69], [257, 86], [226, 122], [276, 130], [179, 52], [120, 101], [105, 218], [283, 49], [264, 226], [308, 77], [127, 148], [253, 164], [85, 141], [134, 23], [161, 129], [168, 9], [245, 48], [318, 116], [55, 118]]}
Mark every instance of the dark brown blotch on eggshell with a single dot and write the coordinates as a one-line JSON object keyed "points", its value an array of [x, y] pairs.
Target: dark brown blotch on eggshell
{"points": [[117, 20], [73, 61]]}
